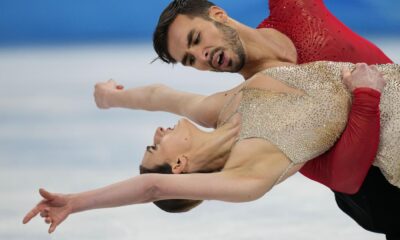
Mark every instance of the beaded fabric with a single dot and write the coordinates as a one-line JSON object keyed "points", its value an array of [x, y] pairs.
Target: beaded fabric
{"points": [[318, 35], [305, 126]]}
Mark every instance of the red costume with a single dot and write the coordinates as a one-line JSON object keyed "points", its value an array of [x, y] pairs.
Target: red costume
{"points": [[318, 35]]}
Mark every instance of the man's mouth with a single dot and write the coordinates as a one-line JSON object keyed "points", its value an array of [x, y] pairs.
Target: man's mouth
{"points": [[218, 59], [221, 58]]}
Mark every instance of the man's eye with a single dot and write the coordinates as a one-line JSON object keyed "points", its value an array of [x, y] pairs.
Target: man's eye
{"points": [[197, 40]]}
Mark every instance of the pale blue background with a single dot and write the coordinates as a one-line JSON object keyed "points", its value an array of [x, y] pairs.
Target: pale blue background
{"points": [[52, 135], [49, 21]]}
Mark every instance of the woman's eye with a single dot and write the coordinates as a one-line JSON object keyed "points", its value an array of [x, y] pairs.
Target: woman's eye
{"points": [[191, 61], [151, 148]]}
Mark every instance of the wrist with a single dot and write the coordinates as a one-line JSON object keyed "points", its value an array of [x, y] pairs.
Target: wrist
{"points": [[77, 203], [114, 98], [366, 90], [366, 100]]}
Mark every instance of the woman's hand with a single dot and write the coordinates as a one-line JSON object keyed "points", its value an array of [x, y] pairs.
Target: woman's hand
{"points": [[54, 208], [103, 92], [363, 76]]}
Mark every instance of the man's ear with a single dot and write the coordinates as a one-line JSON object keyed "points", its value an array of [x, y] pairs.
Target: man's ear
{"points": [[179, 165], [218, 14]]}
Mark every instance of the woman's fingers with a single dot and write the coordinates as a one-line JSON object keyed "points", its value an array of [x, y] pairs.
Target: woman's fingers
{"points": [[46, 195], [54, 224], [44, 214], [40, 207], [31, 214], [52, 228], [47, 220]]}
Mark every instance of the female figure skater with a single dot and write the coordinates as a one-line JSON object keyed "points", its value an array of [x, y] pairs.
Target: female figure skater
{"points": [[267, 128]]}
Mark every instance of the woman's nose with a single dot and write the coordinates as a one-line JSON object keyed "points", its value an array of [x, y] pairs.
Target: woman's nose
{"points": [[158, 135]]}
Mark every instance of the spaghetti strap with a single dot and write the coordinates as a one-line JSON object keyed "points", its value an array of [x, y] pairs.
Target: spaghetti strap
{"points": [[227, 104], [290, 166]]}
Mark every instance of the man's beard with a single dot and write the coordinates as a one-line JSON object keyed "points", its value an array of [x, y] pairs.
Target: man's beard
{"points": [[232, 38]]}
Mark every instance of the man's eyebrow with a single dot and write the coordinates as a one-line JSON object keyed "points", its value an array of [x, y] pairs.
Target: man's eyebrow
{"points": [[189, 43]]}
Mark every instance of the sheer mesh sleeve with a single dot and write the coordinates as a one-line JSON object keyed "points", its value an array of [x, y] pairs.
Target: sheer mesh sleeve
{"points": [[344, 167]]}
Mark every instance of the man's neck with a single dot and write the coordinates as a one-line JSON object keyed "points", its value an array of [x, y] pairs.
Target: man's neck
{"points": [[265, 48]]}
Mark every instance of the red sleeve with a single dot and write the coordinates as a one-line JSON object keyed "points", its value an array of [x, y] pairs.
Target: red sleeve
{"points": [[344, 167]]}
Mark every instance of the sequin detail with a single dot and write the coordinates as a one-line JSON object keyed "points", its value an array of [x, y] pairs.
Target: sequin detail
{"points": [[305, 126]]}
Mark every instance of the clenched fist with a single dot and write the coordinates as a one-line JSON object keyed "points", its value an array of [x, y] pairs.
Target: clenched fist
{"points": [[103, 93]]}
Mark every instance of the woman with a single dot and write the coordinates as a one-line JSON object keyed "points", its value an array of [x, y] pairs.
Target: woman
{"points": [[256, 149]]}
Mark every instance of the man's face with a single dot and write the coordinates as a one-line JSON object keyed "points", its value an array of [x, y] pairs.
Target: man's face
{"points": [[205, 44]]}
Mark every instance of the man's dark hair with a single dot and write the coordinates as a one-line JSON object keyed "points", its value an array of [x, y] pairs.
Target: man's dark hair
{"points": [[170, 205], [191, 8]]}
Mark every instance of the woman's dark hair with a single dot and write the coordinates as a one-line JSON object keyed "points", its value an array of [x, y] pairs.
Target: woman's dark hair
{"points": [[170, 205], [191, 8]]}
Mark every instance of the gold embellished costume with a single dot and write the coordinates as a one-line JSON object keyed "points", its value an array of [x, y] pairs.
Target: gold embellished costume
{"points": [[305, 126]]}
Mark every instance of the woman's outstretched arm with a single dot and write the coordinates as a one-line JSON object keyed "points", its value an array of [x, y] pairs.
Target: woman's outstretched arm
{"points": [[201, 109], [236, 185], [55, 207]]}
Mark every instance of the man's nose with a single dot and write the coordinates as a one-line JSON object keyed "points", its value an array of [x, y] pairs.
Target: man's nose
{"points": [[202, 54]]}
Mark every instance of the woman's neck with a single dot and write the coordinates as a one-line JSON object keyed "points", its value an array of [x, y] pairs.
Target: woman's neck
{"points": [[212, 149]]}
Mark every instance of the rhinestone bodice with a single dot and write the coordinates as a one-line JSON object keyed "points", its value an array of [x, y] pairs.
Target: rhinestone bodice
{"points": [[305, 126]]}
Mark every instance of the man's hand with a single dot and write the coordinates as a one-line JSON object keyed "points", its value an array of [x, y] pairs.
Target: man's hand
{"points": [[54, 208], [103, 93], [363, 76]]}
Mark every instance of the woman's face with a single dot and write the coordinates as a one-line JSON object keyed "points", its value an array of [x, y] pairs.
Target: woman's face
{"points": [[169, 144]]}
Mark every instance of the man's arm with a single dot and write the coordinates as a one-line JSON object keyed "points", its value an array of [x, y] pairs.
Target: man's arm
{"points": [[203, 110], [344, 167]]}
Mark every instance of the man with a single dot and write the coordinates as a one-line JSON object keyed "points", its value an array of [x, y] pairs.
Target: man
{"points": [[199, 34], [299, 32]]}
